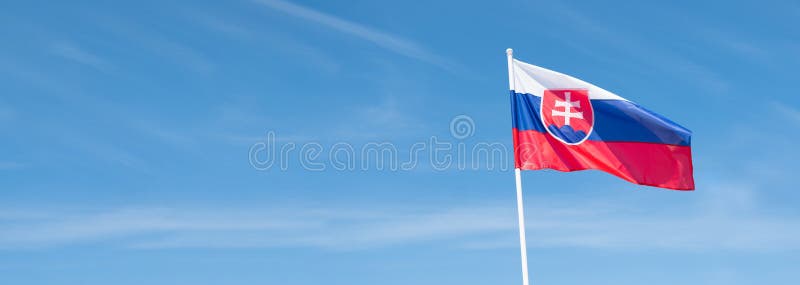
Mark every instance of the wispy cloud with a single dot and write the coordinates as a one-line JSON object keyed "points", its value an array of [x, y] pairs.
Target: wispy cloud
{"points": [[9, 165], [745, 48], [385, 119], [238, 30], [186, 55], [655, 56], [787, 111], [280, 227], [382, 39], [79, 55], [724, 224], [7, 113], [156, 42], [103, 151], [219, 24]]}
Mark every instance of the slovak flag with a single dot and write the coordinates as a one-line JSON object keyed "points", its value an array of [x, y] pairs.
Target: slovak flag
{"points": [[566, 124]]}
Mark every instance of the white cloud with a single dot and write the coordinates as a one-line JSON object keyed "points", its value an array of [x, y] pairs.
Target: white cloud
{"points": [[7, 114], [787, 111], [382, 39], [105, 151], [9, 165], [385, 119], [725, 224], [636, 49], [266, 39], [79, 55], [164, 46]]}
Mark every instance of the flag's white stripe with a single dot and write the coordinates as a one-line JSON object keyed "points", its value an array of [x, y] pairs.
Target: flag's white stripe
{"points": [[534, 80]]}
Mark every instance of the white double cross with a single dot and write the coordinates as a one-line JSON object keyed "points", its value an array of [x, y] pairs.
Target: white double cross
{"points": [[568, 105]]}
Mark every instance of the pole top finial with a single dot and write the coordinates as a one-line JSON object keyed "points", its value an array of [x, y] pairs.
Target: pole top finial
{"points": [[509, 51]]}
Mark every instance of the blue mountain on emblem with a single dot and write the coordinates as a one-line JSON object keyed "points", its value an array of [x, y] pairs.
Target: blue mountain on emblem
{"points": [[566, 133]]}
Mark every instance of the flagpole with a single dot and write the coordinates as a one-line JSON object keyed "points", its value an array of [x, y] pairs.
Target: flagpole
{"points": [[520, 211]]}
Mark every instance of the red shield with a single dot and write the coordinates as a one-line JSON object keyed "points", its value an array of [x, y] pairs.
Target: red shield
{"points": [[567, 114]]}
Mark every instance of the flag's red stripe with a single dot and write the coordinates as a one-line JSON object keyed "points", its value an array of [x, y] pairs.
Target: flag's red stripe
{"points": [[660, 165]]}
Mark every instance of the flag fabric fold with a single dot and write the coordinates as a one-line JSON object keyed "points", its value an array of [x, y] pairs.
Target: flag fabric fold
{"points": [[566, 124]]}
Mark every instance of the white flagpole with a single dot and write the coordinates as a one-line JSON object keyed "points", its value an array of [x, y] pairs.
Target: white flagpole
{"points": [[520, 211]]}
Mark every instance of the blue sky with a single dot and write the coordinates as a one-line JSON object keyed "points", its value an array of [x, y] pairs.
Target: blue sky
{"points": [[127, 127]]}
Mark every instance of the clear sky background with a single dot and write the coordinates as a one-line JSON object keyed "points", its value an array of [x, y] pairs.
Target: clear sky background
{"points": [[126, 129]]}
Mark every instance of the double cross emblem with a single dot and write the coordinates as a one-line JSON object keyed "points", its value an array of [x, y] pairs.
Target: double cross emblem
{"points": [[568, 105]]}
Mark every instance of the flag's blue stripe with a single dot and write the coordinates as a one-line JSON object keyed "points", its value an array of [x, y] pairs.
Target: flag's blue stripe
{"points": [[614, 120]]}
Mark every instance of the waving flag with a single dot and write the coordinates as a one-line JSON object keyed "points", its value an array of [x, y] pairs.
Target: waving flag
{"points": [[563, 123]]}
